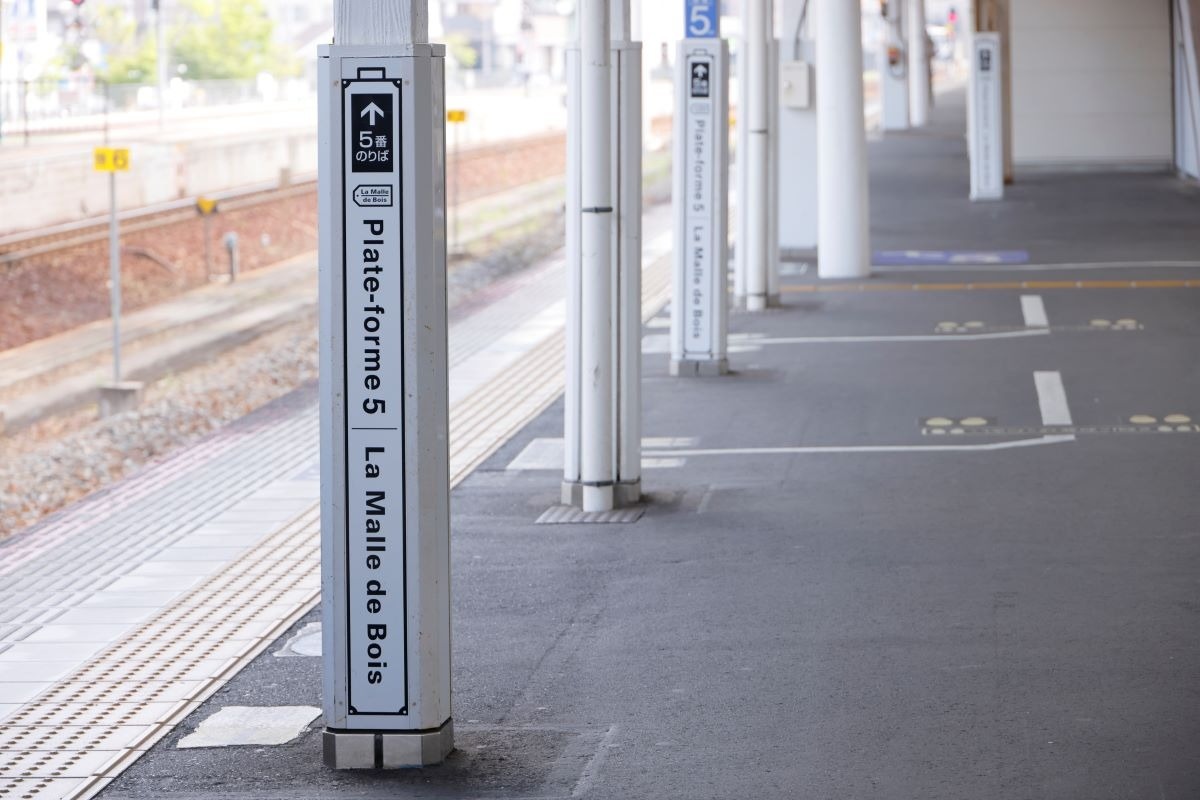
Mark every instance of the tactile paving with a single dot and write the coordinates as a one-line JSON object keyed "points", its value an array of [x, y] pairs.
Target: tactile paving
{"points": [[76, 736]]}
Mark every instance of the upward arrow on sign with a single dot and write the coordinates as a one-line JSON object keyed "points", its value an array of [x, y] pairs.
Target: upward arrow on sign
{"points": [[373, 111], [702, 70]]}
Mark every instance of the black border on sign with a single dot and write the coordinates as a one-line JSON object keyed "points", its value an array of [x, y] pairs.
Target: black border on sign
{"points": [[399, 207]]}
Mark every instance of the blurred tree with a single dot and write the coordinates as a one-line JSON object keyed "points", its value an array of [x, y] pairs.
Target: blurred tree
{"points": [[461, 51], [222, 39], [128, 58]]}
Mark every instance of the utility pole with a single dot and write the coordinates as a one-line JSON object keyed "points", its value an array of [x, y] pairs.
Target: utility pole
{"points": [[2, 55], [160, 36]]}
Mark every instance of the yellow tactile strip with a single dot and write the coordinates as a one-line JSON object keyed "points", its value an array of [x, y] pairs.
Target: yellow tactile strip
{"points": [[84, 731]]}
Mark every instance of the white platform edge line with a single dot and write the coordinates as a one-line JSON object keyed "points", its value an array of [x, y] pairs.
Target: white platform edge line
{"points": [[899, 448], [1085, 265], [963, 337]]}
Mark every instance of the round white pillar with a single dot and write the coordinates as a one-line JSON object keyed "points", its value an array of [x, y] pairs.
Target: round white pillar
{"points": [[918, 64], [843, 230], [596, 363], [756, 36]]}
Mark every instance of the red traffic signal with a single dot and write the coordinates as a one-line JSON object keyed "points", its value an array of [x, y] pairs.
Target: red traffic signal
{"points": [[77, 3]]}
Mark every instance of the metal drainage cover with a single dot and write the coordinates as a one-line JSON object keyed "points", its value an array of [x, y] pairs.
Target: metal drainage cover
{"points": [[569, 515]]}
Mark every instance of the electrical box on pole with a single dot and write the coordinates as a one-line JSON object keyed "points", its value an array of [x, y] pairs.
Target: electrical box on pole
{"points": [[985, 122], [700, 302], [384, 422]]}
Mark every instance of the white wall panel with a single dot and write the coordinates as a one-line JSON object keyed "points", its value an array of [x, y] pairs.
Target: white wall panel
{"points": [[1092, 82]]}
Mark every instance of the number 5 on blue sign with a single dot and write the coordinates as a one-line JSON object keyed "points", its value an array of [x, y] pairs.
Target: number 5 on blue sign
{"points": [[703, 19]]}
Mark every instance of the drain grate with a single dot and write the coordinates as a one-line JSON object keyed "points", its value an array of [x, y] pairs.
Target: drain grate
{"points": [[569, 515]]}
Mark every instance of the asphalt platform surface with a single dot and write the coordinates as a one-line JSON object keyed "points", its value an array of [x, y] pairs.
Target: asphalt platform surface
{"points": [[825, 598]]}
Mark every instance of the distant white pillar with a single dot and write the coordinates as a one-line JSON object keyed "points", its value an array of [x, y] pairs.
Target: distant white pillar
{"points": [[893, 70], [756, 252], [160, 48], [919, 90], [843, 240], [596, 366], [796, 168], [385, 517], [628, 142]]}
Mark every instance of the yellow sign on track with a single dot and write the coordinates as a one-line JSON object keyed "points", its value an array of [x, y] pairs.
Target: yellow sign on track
{"points": [[111, 159], [456, 115]]}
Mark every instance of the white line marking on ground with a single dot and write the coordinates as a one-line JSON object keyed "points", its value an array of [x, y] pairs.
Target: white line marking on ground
{"points": [[1052, 398], [898, 448], [1034, 311], [591, 770], [944, 337], [246, 725]]}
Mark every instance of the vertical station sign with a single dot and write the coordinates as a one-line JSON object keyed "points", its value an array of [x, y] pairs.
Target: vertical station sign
{"points": [[373, 413], [384, 461], [986, 119], [699, 307]]}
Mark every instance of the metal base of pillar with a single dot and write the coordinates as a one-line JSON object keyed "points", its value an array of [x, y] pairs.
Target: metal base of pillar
{"points": [[117, 398], [687, 368], [1, 421], [623, 494], [747, 302], [390, 750]]}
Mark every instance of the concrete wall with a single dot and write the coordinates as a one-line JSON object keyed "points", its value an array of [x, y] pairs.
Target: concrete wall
{"points": [[46, 190], [1092, 82]]}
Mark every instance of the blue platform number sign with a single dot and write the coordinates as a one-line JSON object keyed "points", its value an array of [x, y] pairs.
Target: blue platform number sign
{"points": [[703, 20]]}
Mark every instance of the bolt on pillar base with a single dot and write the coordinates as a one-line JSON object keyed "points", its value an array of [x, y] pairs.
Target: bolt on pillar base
{"points": [[391, 750], [688, 368], [623, 494]]}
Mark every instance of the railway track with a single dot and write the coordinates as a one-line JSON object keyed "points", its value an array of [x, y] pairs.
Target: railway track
{"points": [[22, 246]]}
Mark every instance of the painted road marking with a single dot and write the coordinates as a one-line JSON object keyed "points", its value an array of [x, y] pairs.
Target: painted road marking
{"points": [[942, 425], [1119, 325], [927, 258], [1034, 311], [1052, 398], [979, 286], [1073, 430], [251, 725], [546, 453]]}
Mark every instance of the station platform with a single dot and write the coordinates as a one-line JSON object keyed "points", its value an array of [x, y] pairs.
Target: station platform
{"points": [[934, 537]]}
